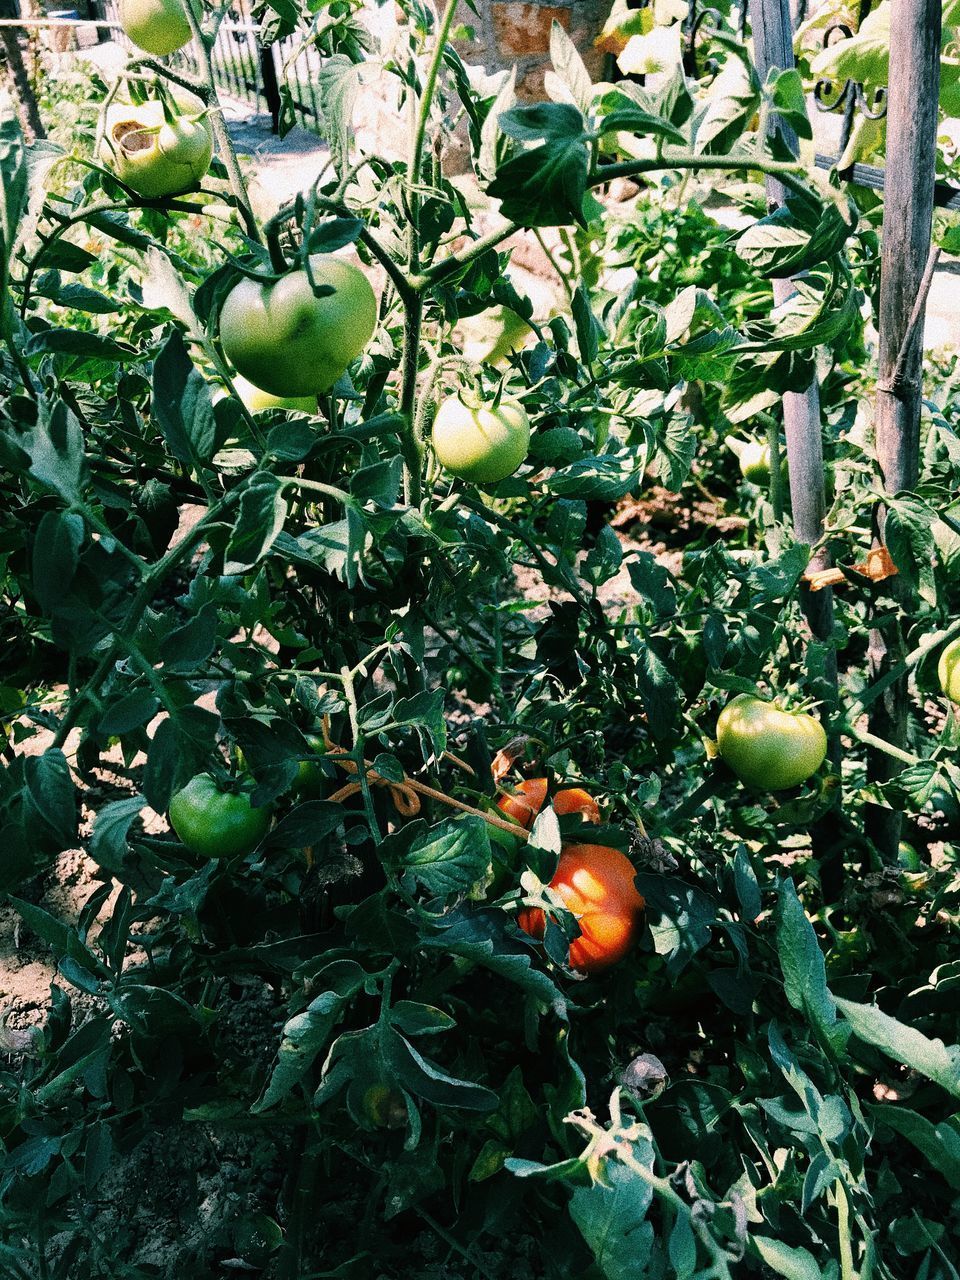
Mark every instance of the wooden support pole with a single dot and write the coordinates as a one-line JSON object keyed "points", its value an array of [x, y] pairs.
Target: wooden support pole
{"points": [[905, 268], [773, 47]]}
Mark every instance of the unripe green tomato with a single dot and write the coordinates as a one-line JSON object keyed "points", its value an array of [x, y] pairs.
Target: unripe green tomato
{"points": [[908, 858], [755, 462], [154, 156], [769, 748], [384, 1107], [156, 26], [216, 823], [255, 399], [944, 808], [479, 442], [948, 670], [310, 780], [289, 342]]}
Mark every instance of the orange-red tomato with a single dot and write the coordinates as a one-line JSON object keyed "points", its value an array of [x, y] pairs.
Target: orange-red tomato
{"points": [[525, 802], [596, 885], [576, 800]]}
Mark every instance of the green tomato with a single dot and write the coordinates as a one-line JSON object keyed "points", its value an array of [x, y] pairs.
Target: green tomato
{"points": [[948, 670], [255, 399], [310, 780], [493, 336], [216, 823], [908, 858], [155, 156], [383, 1107], [156, 26], [479, 443], [755, 462], [289, 342], [769, 748]]}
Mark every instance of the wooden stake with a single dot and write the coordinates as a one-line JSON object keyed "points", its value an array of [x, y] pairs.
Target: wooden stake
{"points": [[773, 47], [906, 271]]}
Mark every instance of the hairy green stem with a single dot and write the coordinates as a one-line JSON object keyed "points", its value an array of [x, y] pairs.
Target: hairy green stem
{"points": [[134, 613], [412, 443], [204, 44]]}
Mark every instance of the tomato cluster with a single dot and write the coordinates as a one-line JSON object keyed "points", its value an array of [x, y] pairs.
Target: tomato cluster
{"points": [[594, 881]]}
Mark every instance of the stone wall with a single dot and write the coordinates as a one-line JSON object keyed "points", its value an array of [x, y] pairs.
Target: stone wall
{"points": [[517, 32]]}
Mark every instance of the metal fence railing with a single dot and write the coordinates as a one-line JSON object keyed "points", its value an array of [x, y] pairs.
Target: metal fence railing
{"points": [[278, 79]]}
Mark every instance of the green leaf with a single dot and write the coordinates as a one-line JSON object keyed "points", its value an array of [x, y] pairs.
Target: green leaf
{"points": [[788, 99], [306, 1034], [481, 936], [734, 100], [570, 67], [50, 797], [56, 550], [189, 646], [337, 548], [602, 562], [544, 186], [803, 965], [748, 889], [111, 827], [338, 80], [260, 519], [450, 857], [659, 692], [425, 1079], [651, 580], [794, 237], [55, 448], [136, 708], [786, 1260], [83, 345], [182, 405], [13, 195], [932, 1058], [679, 917], [612, 1216], [606, 478], [939, 1143]]}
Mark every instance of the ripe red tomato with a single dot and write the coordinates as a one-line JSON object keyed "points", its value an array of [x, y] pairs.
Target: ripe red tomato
{"points": [[576, 800], [525, 802], [596, 885]]}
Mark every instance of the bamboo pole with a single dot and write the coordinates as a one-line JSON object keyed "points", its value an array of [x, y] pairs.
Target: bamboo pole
{"points": [[905, 273]]}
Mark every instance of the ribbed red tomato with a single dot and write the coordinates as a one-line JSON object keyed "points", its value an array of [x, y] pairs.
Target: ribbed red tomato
{"points": [[530, 795], [597, 885], [525, 801]]}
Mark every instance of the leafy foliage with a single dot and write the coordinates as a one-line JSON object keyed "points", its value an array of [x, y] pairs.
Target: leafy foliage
{"points": [[302, 604]]}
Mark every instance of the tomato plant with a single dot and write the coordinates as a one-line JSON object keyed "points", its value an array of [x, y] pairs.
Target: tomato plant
{"points": [[317, 520]]}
